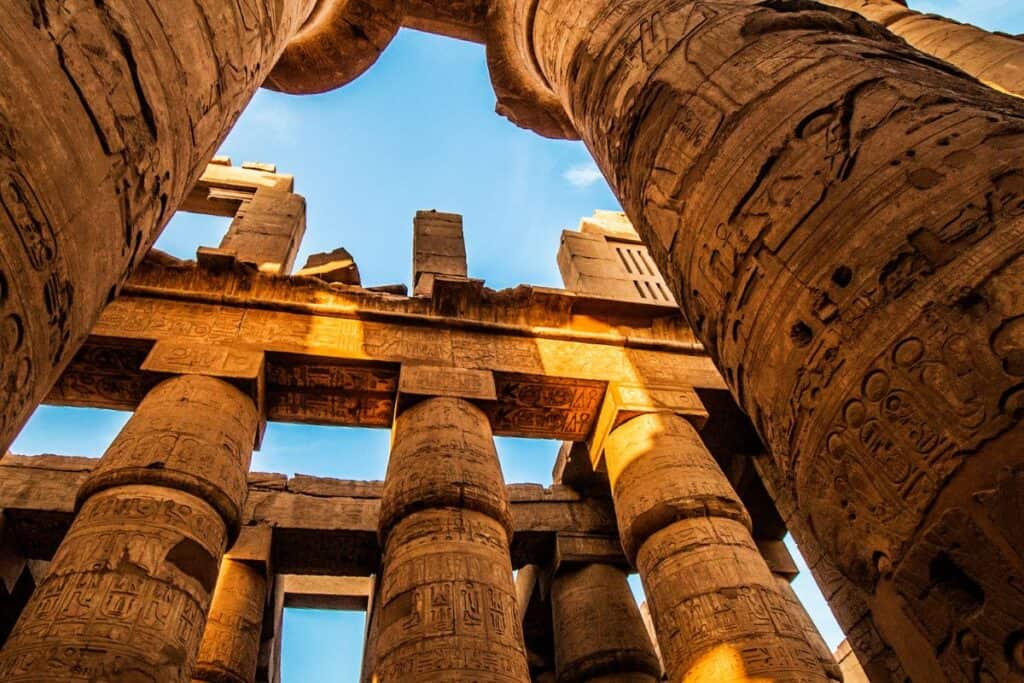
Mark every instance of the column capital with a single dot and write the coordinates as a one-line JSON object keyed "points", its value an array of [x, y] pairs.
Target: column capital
{"points": [[622, 402], [340, 40], [524, 95]]}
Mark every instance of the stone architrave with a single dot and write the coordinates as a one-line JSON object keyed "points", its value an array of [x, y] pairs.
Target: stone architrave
{"points": [[127, 593], [447, 604], [599, 633], [840, 217], [111, 112], [714, 602]]}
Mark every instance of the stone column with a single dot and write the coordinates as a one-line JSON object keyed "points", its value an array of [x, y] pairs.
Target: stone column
{"points": [[715, 604], [447, 601], [127, 593], [842, 220], [230, 648], [995, 59], [599, 633], [109, 114]]}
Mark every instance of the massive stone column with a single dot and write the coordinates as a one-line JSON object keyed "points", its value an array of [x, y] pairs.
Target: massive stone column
{"points": [[447, 601], [842, 219], [109, 112], [599, 633], [996, 59], [127, 593], [715, 604]]}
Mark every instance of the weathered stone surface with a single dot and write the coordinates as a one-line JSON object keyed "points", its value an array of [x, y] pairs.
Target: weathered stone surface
{"points": [[126, 595], [598, 628], [324, 526], [443, 455], [267, 230], [993, 58], [839, 216], [332, 266], [110, 114], [230, 647], [190, 433], [711, 595], [438, 249], [447, 606], [447, 601], [338, 42]]}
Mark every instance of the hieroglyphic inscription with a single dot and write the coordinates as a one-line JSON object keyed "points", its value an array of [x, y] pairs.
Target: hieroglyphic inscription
{"points": [[105, 373], [431, 380], [128, 590], [321, 392], [547, 407]]}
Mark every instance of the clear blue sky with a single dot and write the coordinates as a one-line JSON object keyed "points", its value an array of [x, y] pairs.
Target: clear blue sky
{"points": [[416, 132]]}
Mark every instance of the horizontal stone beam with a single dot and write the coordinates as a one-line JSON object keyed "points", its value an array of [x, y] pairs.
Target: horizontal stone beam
{"points": [[320, 526]]}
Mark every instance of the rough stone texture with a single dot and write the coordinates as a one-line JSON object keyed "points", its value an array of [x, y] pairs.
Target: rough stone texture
{"points": [[191, 433], [840, 216], [231, 642], [438, 249], [108, 114], [447, 607], [599, 633], [126, 595], [267, 230], [447, 601], [606, 258], [995, 59], [443, 455], [710, 593], [851, 668], [338, 42]]}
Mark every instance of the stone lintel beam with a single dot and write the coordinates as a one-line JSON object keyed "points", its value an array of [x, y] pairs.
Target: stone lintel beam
{"points": [[267, 230], [319, 526], [326, 592]]}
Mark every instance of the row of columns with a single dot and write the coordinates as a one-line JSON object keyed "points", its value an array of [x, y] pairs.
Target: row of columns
{"points": [[129, 595], [783, 157]]}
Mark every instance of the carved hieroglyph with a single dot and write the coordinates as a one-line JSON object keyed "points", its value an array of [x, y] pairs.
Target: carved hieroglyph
{"points": [[447, 607], [711, 595], [598, 629], [842, 219], [110, 113], [126, 595], [127, 592]]}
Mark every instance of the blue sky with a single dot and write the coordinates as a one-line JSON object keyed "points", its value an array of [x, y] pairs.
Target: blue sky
{"points": [[416, 132]]}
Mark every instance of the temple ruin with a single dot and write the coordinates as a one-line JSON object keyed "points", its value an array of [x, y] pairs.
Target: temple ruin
{"points": [[809, 320]]}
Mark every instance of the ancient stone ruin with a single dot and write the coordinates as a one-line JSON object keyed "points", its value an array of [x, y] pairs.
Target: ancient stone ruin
{"points": [[809, 320]]}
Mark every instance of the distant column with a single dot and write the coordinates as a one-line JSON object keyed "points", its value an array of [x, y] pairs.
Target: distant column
{"points": [[110, 112], [447, 606], [230, 648], [715, 604], [599, 633], [127, 593], [995, 59]]}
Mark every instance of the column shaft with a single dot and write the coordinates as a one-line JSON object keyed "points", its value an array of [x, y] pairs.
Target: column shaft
{"points": [[230, 649], [599, 633], [447, 602], [713, 600], [108, 114], [126, 596], [842, 220]]}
